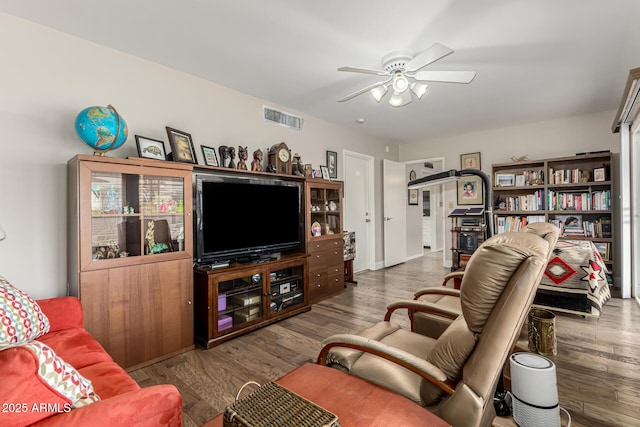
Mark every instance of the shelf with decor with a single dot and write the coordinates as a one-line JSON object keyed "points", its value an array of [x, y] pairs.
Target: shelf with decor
{"points": [[468, 231], [130, 255], [573, 192]]}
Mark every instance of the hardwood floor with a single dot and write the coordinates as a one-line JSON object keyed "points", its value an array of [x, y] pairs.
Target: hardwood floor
{"points": [[598, 361]]}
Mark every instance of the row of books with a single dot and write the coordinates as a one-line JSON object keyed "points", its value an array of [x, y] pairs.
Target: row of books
{"points": [[567, 176], [596, 200], [574, 226], [504, 224], [525, 202], [532, 177]]}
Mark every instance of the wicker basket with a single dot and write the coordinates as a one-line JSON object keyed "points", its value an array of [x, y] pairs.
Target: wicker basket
{"points": [[272, 405]]}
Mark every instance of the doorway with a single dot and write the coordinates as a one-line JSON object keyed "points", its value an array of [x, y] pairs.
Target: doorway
{"points": [[359, 202]]}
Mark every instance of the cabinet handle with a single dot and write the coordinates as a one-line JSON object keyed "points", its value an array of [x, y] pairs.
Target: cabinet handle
{"points": [[336, 279], [189, 302], [319, 285], [208, 308], [317, 256], [318, 274]]}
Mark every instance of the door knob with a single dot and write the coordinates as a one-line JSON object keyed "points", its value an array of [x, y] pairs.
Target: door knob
{"points": [[387, 218], [367, 220]]}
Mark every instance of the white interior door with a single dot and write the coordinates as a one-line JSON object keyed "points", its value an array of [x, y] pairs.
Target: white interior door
{"points": [[635, 211], [358, 207], [394, 212]]}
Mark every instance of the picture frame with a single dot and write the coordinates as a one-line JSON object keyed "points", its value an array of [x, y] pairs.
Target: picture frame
{"points": [[470, 161], [210, 156], [413, 197], [332, 164], [570, 220], [470, 191], [149, 148], [599, 174], [505, 180], [181, 143], [520, 181], [325, 172], [603, 250]]}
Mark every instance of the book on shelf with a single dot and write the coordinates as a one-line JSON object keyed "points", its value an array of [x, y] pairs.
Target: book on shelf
{"points": [[505, 224]]}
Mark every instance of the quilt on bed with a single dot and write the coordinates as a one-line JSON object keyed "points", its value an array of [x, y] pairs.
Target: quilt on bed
{"points": [[577, 264]]}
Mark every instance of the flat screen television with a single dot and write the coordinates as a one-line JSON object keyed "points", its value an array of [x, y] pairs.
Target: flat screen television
{"points": [[243, 218]]}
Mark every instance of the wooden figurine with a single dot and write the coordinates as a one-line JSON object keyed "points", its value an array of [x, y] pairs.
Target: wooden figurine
{"points": [[224, 156], [232, 156], [242, 156], [256, 164]]}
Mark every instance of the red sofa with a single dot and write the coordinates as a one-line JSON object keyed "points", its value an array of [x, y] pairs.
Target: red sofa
{"points": [[27, 400]]}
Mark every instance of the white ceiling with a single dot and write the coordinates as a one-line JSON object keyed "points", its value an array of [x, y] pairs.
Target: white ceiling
{"points": [[535, 59]]}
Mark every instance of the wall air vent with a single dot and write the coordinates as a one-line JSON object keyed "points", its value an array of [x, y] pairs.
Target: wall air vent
{"points": [[281, 118]]}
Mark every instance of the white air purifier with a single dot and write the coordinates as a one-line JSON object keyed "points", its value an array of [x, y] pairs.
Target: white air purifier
{"points": [[534, 390]]}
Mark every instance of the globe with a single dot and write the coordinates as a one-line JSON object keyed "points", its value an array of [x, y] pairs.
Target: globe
{"points": [[97, 127]]}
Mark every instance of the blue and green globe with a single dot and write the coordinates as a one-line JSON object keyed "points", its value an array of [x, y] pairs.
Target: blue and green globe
{"points": [[97, 127]]}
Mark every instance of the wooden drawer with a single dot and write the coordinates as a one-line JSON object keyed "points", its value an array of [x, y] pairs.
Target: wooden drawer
{"points": [[323, 245], [335, 282]]}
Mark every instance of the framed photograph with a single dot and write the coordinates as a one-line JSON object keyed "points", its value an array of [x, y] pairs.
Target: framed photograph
{"points": [[413, 197], [209, 155], [149, 148], [520, 181], [470, 161], [181, 146], [570, 220], [505, 180], [412, 175], [325, 172], [470, 191], [599, 174], [332, 164], [603, 250]]}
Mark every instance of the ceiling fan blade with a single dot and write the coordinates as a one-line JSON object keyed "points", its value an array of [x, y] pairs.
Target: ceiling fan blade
{"points": [[364, 70], [363, 90], [445, 76], [432, 54]]}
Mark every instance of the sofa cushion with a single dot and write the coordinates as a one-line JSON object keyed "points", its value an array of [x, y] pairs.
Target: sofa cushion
{"points": [[449, 353], [21, 319], [76, 346], [109, 379]]}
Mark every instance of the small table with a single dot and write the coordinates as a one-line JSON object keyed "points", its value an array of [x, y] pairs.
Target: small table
{"points": [[356, 402]]}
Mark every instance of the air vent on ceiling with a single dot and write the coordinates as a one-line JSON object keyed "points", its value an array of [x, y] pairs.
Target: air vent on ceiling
{"points": [[281, 118]]}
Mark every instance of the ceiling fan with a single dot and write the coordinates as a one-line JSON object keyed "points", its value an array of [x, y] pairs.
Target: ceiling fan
{"points": [[403, 75]]}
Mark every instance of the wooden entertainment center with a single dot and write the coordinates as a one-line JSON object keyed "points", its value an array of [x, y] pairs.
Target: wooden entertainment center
{"points": [[131, 256]]}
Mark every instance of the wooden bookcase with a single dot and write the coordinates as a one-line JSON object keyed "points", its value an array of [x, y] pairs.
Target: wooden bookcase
{"points": [[468, 231], [563, 190], [130, 255], [324, 237]]}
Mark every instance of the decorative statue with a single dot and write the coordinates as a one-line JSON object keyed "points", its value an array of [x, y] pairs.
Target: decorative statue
{"points": [[256, 164], [297, 165], [224, 156], [150, 236], [242, 155], [232, 156]]}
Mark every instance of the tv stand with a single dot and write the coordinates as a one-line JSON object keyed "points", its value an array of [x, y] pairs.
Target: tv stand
{"points": [[240, 298]]}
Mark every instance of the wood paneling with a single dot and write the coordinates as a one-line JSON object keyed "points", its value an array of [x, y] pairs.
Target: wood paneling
{"points": [[598, 360]]}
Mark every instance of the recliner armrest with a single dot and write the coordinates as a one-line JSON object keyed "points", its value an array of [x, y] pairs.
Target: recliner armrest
{"points": [[436, 291], [419, 366], [422, 306], [453, 275]]}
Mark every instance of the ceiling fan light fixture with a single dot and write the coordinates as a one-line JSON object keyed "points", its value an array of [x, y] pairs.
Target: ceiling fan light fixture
{"points": [[396, 100], [419, 89], [379, 92], [400, 83]]}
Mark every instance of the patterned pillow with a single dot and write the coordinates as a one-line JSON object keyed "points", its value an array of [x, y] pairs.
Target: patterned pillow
{"points": [[62, 377], [21, 319]]}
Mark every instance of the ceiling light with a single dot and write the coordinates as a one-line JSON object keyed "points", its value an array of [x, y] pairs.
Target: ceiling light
{"points": [[378, 92], [400, 83], [396, 100], [419, 89]]}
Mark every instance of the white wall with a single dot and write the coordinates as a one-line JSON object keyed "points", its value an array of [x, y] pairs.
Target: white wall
{"points": [[47, 77], [555, 138]]}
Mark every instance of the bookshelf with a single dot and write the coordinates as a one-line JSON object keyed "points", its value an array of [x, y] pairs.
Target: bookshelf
{"points": [[574, 193]]}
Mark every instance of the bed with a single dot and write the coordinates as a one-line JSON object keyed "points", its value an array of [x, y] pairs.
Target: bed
{"points": [[575, 280]]}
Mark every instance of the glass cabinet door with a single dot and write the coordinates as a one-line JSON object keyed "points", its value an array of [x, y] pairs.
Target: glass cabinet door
{"points": [[239, 301], [287, 288], [325, 212], [136, 215]]}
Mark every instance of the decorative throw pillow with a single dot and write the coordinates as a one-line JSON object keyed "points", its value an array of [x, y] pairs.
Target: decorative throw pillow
{"points": [[62, 377], [21, 319]]}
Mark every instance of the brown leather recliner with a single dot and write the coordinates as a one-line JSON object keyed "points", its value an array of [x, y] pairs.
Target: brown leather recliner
{"points": [[446, 301], [454, 376]]}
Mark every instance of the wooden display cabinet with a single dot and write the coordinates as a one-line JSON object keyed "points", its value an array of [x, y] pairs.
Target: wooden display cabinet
{"points": [[324, 237], [234, 300], [130, 255]]}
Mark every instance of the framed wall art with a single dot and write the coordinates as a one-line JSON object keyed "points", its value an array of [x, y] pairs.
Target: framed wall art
{"points": [[470, 161], [150, 148], [470, 191], [332, 164], [209, 155], [505, 180], [181, 146], [413, 197], [599, 174]]}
